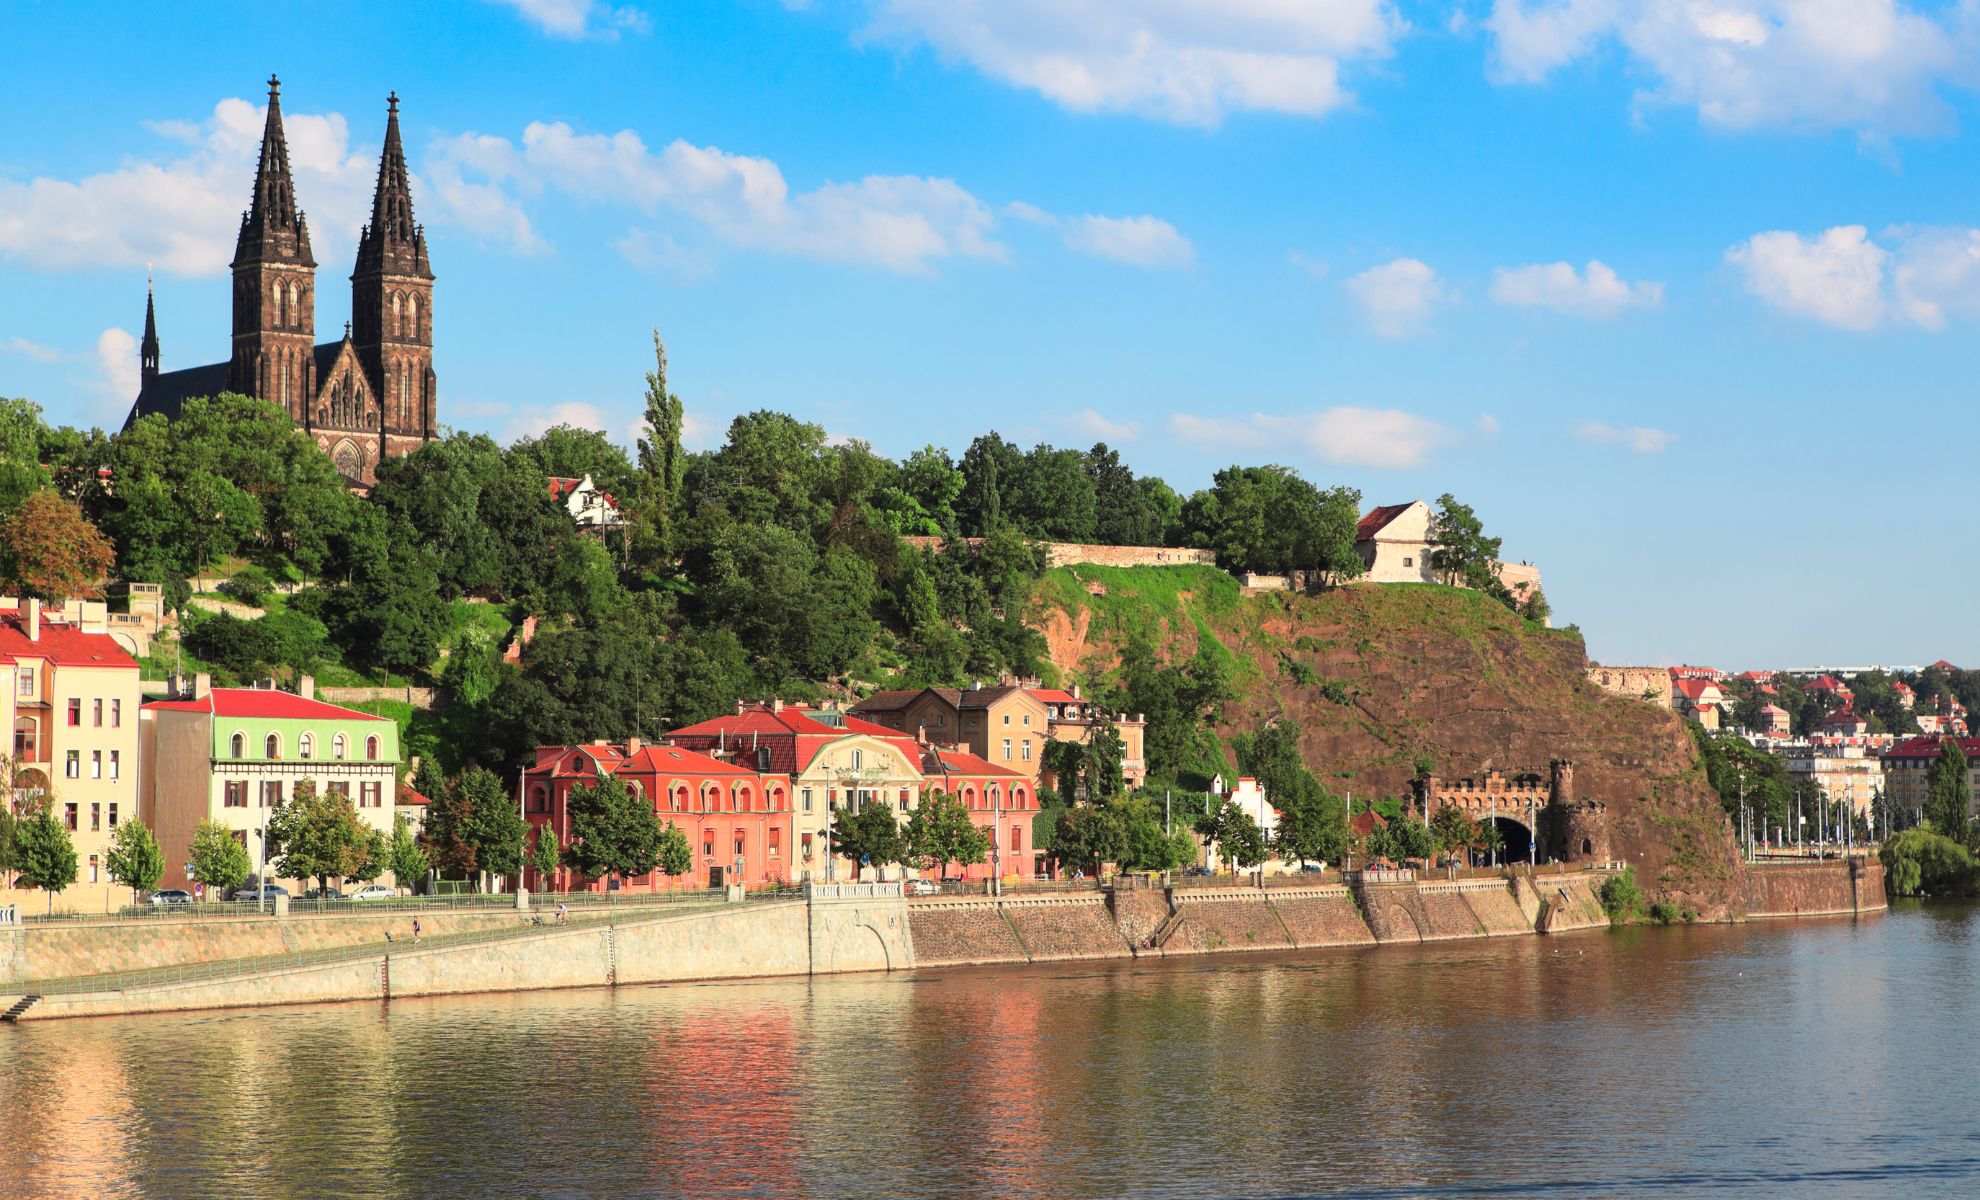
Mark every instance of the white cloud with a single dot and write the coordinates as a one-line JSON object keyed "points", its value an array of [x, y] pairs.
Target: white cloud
{"points": [[1188, 61], [115, 381], [32, 351], [1640, 438], [658, 253], [1598, 292], [183, 213], [1138, 241], [579, 18], [1937, 272], [1346, 435], [1836, 277], [581, 415], [897, 222], [1090, 423], [1745, 64], [1398, 297], [1487, 425]]}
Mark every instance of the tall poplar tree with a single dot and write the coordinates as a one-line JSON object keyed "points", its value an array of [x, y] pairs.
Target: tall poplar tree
{"points": [[662, 466], [1949, 791]]}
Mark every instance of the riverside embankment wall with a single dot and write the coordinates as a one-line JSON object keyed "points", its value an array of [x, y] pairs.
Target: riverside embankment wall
{"points": [[1811, 889], [58, 950]]}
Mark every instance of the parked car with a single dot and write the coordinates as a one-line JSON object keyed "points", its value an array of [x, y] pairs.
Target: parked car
{"points": [[1196, 870], [170, 896], [923, 887], [371, 891], [324, 894], [260, 895]]}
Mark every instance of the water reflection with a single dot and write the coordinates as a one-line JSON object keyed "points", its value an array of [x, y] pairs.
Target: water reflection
{"points": [[1822, 1059]]}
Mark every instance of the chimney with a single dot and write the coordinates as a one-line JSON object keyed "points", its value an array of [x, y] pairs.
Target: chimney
{"points": [[1075, 691], [202, 686], [776, 705], [34, 619], [632, 746], [739, 706], [921, 734], [306, 687]]}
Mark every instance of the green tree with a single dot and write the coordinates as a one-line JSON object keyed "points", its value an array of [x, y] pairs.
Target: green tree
{"points": [[676, 854], [1949, 791], [134, 859], [1490, 841], [44, 854], [1621, 898], [1236, 835], [1086, 836], [662, 468], [1269, 520], [403, 857], [22, 433], [613, 831], [870, 836], [445, 834], [543, 856], [217, 859], [318, 835], [940, 832], [494, 827], [52, 551], [1459, 549], [1456, 833]]}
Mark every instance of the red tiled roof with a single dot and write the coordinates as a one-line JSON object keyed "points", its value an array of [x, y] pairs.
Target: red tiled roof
{"points": [[1055, 695], [891, 701], [794, 736], [60, 643], [1827, 683], [409, 797], [561, 487], [262, 703], [1365, 822], [590, 760], [1377, 520], [962, 762], [1928, 747], [1694, 689]]}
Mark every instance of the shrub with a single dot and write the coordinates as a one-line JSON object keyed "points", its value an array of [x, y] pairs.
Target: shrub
{"points": [[251, 586], [1620, 896], [1919, 862], [1664, 912]]}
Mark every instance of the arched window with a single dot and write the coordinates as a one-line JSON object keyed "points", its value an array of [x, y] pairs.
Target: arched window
{"points": [[238, 747], [412, 309], [27, 739], [271, 746], [305, 746], [371, 747], [337, 746], [295, 309], [398, 319], [539, 799], [678, 801], [743, 800], [281, 307]]}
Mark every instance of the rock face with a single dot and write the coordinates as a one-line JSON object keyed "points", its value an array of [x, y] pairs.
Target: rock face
{"points": [[1382, 678]]}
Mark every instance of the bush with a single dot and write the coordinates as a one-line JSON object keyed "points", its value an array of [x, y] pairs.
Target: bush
{"points": [[1919, 862], [251, 586], [1621, 898], [1663, 912]]}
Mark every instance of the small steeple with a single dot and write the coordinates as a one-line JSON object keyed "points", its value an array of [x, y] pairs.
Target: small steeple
{"points": [[148, 349], [273, 220], [392, 241]]}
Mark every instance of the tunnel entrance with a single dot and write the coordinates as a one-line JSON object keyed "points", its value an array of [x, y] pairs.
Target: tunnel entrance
{"points": [[1515, 840]]}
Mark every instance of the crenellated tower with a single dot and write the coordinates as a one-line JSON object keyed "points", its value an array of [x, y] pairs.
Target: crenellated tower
{"points": [[274, 283], [392, 303]]}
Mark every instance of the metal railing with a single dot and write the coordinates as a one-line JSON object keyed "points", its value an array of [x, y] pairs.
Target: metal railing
{"points": [[223, 910]]}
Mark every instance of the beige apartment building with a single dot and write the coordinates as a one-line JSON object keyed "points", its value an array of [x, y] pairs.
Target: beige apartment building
{"points": [[72, 701], [1006, 725], [1908, 765]]}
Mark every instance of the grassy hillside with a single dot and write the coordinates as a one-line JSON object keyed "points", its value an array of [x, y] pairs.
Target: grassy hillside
{"points": [[1380, 678]]}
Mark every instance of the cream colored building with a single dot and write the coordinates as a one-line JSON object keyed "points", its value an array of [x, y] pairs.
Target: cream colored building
{"points": [[1395, 540], [72, 701], [233, 755]]}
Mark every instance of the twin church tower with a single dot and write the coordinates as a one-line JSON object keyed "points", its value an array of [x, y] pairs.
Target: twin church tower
{"points": [[366, 397]]}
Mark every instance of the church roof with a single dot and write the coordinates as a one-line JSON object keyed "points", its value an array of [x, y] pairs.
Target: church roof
{"points": [[167, 394]]}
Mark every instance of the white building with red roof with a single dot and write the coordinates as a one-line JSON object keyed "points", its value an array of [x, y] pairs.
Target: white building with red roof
{"points": [[590, 506], [1395, 541], [72, 702], [233, 755], [1699, 699]]}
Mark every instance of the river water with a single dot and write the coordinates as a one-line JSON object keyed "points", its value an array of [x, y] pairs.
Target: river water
{"points": [[1822, 1058]]}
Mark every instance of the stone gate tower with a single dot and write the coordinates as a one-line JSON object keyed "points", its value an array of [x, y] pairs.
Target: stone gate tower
{"points": [[1575, 830]]}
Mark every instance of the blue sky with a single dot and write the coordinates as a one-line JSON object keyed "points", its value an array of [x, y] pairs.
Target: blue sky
{"points": [[1680, 294]]}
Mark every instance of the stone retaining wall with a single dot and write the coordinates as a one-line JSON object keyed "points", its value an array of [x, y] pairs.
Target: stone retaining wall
{"points": [[1324, 916], [960, 932], [1833, 888], [1069, 927], [1239, 919]]}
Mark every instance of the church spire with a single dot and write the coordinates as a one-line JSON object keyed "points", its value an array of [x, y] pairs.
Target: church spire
{"points": [[273, 226], [148, 349], [392, 242]]}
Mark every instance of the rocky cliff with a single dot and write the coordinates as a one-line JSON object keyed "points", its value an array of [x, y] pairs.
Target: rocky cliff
{"points": [[1381, 677]]}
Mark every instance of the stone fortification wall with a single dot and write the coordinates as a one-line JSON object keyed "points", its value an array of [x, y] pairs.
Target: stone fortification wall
{"points": [[1649, 684], [1237, 919], [1815, 888], [1498, 913], [1052, 928], [56, 951], [418, 697], [1568, 902], [1449, 915], [1394, 912], [950, 933], [1065, 554], [1140, 913]]}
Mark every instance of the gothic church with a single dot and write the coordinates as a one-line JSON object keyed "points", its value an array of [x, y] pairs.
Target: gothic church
{"points": [[366, 397]]}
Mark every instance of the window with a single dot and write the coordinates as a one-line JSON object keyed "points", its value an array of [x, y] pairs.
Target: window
{"points": [[95, 818], [69, 817], [116, 714], [904, 802], [340, 788], [708, 843], [804, 845], [27, 739], [240, 838], [1017, 839], [371, 747], [93, 876], [776, 841], [1027, 718], [271, 746], [1007, 718], [371, 795], [941, 719], [75, 712], [96, 713], [1024, 750], [27, 681], [115, 771], [113, 814], [271, 793], [96, 764], [238, 747], [305, 746], [739, 843], [236, 794], [1409, 562], [539, 799], [804, 794], [337, 746], [1007, 749], [858, 759], [73, 767]]}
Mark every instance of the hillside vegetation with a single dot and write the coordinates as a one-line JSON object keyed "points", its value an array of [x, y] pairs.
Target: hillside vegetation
{"points": [[1381, 678]]}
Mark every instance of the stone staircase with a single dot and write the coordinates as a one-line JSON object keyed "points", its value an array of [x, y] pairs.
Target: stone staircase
{"points": [[20, 1006]]}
